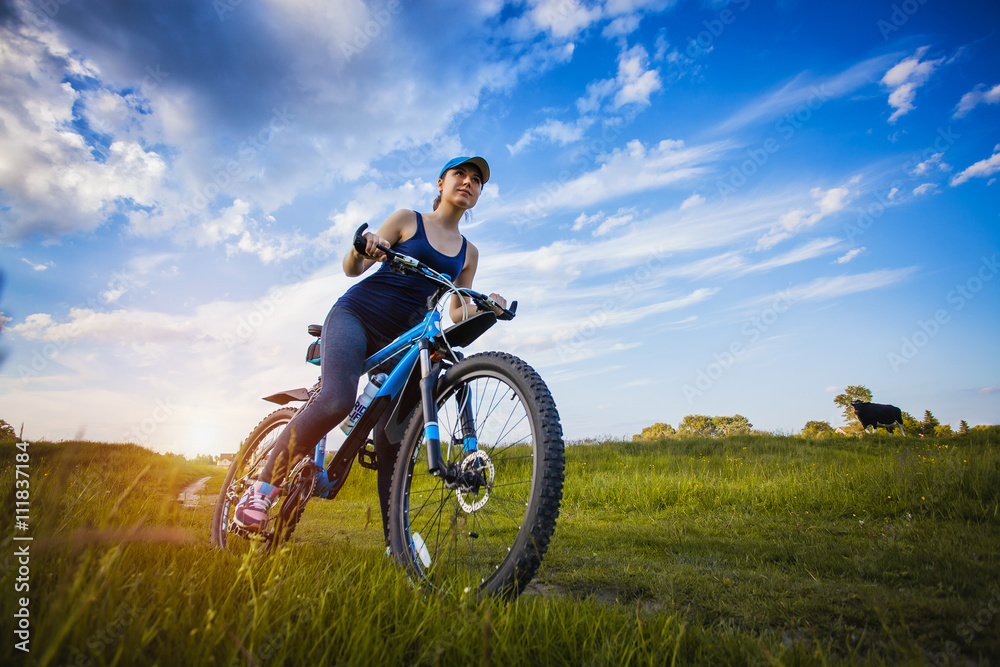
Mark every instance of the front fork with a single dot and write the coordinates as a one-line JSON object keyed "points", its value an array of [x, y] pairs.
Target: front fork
{"points": [[428, 384]]}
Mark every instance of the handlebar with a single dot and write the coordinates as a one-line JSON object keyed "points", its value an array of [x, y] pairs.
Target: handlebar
{"points": [[409, 264]]}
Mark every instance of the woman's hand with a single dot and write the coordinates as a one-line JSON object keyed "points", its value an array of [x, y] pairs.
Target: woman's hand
{"points": [[372, 241], [500, 300]]}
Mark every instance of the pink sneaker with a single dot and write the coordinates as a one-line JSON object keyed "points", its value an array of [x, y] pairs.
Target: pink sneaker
{"points": [[251, 510]]}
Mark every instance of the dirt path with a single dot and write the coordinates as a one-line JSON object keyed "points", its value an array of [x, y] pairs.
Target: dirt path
{"points": [[191, 496]]}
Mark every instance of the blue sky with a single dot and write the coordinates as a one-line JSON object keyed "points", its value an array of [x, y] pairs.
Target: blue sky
{"points": [[702, 207]]}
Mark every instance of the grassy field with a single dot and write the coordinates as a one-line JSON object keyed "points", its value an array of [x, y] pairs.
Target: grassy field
{"points": [[744, 550]]}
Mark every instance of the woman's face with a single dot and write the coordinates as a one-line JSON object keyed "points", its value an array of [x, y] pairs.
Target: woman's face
{"points": [[462, 185]]}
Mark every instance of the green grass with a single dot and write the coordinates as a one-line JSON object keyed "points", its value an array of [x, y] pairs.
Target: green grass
{"points": [[745, 550]]}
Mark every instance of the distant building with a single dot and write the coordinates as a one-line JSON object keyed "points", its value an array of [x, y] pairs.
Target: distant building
{"points": [[225, 460]]}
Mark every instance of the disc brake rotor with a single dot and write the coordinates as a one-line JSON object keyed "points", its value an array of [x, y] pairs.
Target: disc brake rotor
{"points": [[477, 473]]}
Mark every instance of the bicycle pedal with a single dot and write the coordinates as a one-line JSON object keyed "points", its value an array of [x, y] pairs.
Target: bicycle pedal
{"points": [[367, 457]]}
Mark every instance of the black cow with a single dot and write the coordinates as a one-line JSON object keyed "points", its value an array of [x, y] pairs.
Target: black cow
{"points": [[876, 414]]}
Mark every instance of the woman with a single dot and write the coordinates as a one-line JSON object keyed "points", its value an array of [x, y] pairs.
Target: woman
{"points": [[371, 314]]}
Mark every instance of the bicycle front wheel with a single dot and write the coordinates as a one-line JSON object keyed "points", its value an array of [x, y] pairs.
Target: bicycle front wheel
{"points": [[488, 529]]}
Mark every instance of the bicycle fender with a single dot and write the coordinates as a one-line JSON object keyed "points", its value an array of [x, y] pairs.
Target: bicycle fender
{"points": [[283, 397]]}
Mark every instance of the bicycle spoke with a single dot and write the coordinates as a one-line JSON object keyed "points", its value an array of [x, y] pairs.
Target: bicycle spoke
{"points": [[474, 529]]}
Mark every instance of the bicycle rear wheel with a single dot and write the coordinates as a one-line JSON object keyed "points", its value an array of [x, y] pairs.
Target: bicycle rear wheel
{"points": [[287, 509], [489, 530]]}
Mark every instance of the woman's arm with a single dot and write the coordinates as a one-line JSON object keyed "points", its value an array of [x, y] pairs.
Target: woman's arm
{"points": [[389, 234], [465, 280]]}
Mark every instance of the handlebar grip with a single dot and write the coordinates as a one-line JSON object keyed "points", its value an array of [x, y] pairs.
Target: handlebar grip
{"points": [[359, 240], [508, 313]]}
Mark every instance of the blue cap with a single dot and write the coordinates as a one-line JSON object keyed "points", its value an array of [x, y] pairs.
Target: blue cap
{"points": [[484, 168]]}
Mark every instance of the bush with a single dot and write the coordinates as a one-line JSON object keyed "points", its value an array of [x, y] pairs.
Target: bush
{"points": [[658, 431]]}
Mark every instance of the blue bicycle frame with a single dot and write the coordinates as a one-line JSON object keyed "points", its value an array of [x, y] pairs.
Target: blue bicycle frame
{"points": [[403, 388], [416, 345]]}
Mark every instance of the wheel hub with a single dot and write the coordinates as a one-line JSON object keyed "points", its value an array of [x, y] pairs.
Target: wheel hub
{"points": [[475, 480]]}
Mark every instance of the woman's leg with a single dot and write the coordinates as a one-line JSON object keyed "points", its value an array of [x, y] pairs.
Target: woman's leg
{"points": [[344, 347]]}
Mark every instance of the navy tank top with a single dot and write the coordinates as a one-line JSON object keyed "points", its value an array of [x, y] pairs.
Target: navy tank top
{"points": [[388, 304]]}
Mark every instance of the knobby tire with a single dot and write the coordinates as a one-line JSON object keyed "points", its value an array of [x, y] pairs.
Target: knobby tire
{"points": [[489, 535], [287, 509]]}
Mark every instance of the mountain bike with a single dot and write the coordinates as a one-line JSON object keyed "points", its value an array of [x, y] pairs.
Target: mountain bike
{"points": [[478, 481]]}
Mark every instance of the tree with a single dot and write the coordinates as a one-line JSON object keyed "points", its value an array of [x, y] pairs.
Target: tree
{"points": [[963, 427], [711, 427], [735, 425], [697, 425], [207, 459], [815, 429], [658, 431], [910, 425], [943, 431], [7, 432], [928, 425], [853, 392]]}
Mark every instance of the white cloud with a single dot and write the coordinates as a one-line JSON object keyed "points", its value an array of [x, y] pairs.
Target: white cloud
{"points": [[975, 97], [563, 19], [633, 169], [633, 85], [924, 189], [834, 287], [850, 254], [51, 179], [553, 131], [904, 78], [36, 267], [824, 203], [621, 26], [636, 82], [809, 250], [981, 169], [929, 164], [583, 220], [231, 221], [805, 94], [622, 217], [694, 200]]}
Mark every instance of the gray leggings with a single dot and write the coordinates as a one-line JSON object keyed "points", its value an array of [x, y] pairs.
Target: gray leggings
{"points": [[345, 347]]}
